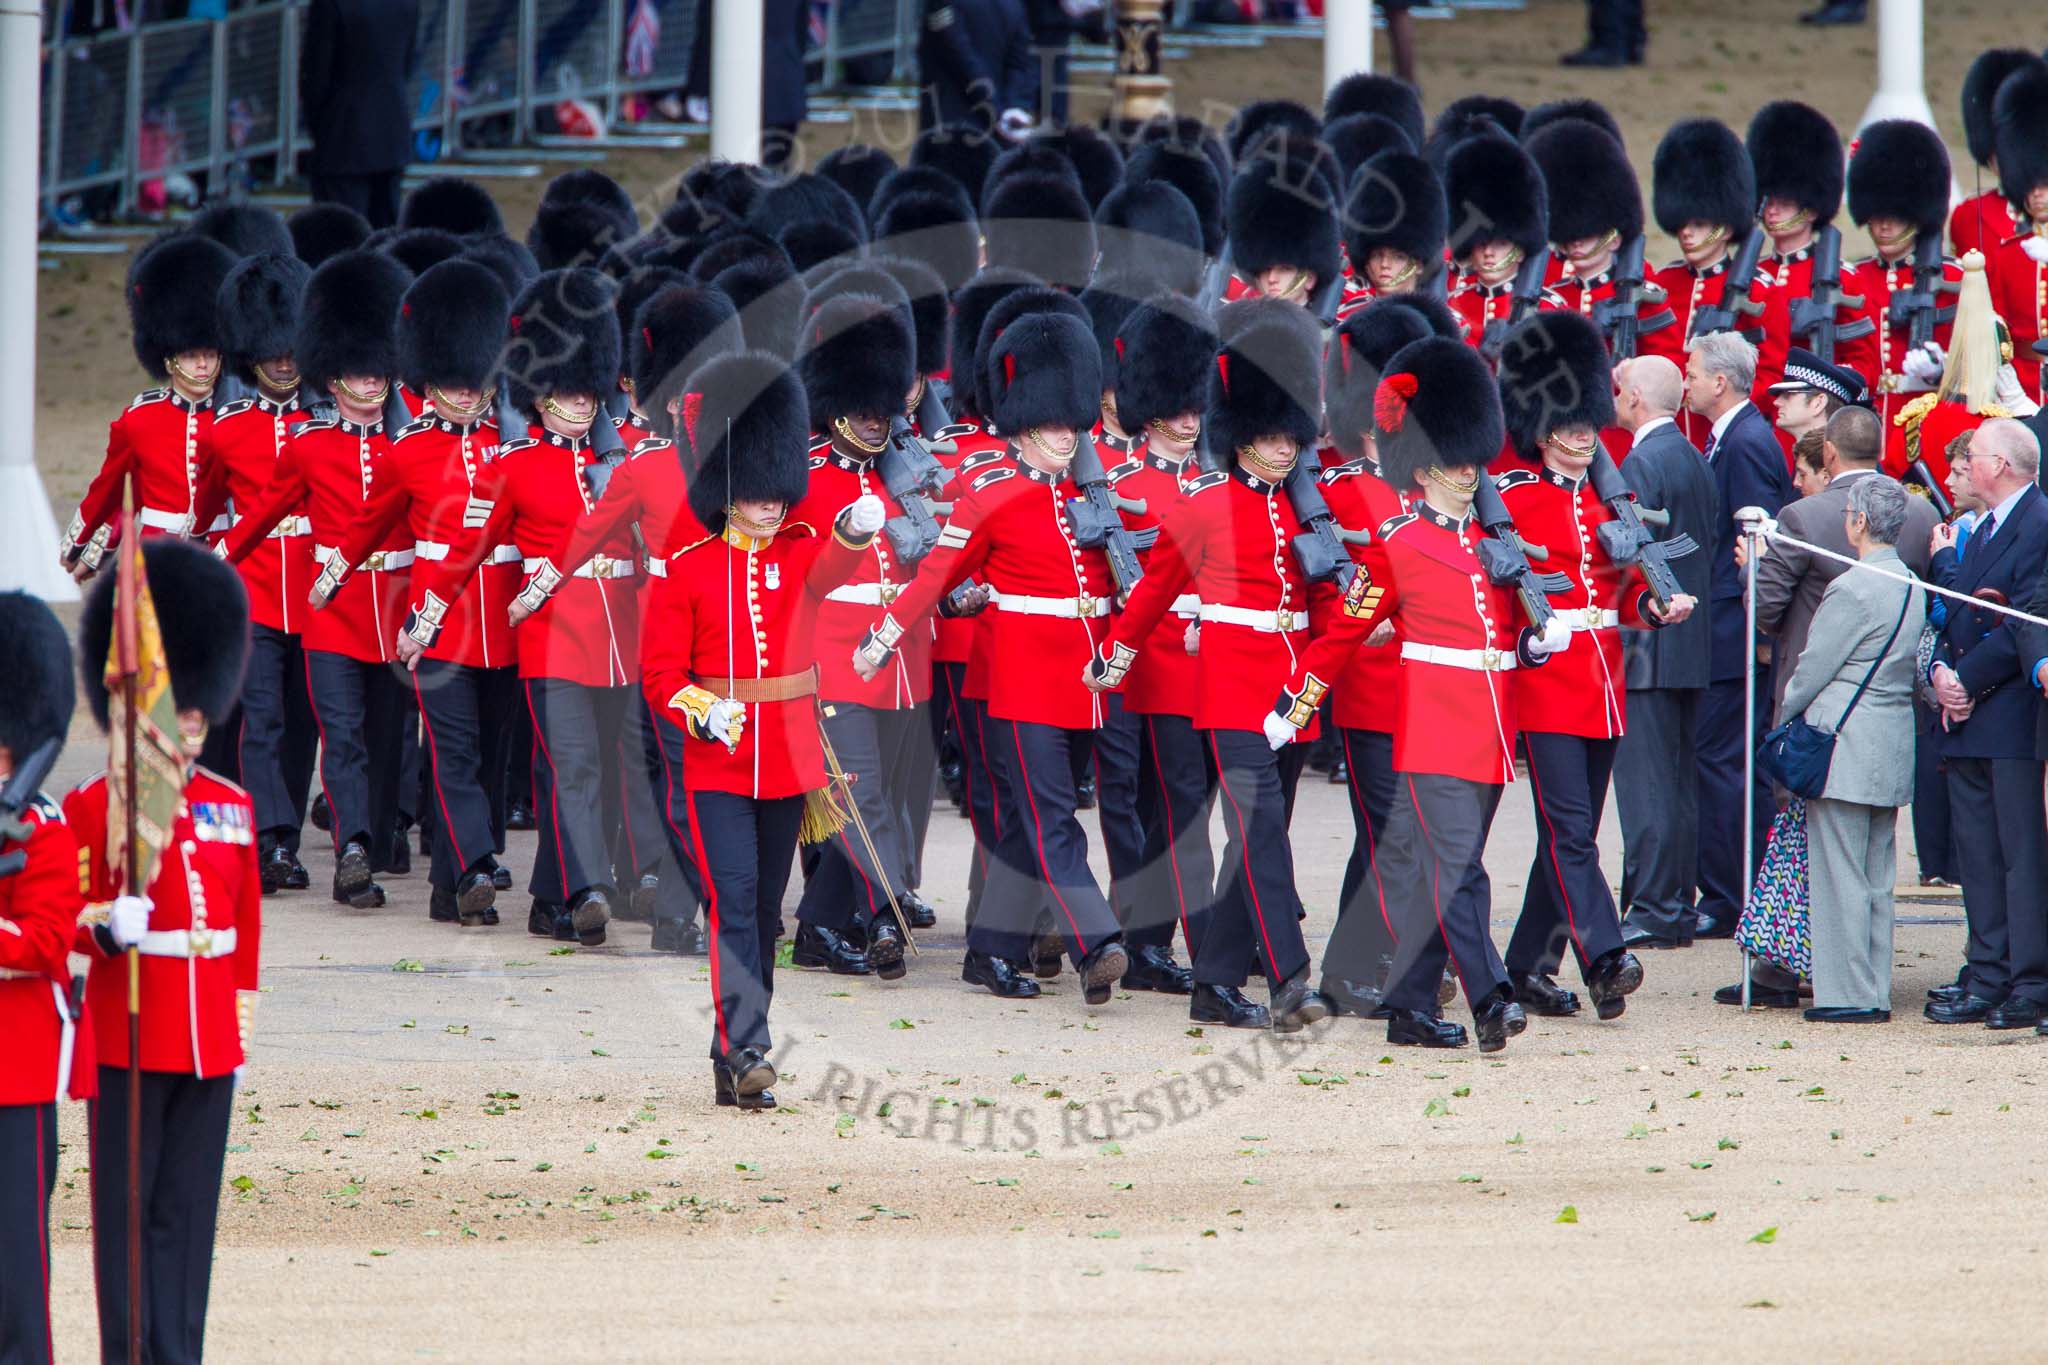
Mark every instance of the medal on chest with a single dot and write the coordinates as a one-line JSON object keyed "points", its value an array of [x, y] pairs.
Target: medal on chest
{"points": [[771, 577]]}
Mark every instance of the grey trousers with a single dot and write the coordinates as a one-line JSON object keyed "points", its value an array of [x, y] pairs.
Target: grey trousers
{"points": [[1656, 793], [1852, 863]]}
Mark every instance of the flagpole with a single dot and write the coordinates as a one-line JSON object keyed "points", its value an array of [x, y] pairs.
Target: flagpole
{"points": [[129, 651]]}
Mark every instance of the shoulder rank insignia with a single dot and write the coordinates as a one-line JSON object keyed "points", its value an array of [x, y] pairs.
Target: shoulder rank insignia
{"points": [[954, 430], [1515, 478], [150, 396], [817, 461], [987, 477], [1120, 473], [1362, 598], [1393, 524], [324, 423], [1341, 471], [517, 443], [415, 427], [1215, 478], [980, 458], [240, 405], [652, 444]]}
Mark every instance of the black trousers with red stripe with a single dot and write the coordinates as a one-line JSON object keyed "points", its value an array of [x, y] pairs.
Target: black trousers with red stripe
{"points": [[665, 745], [637, 848], [576, 732], [1257, 906], [1361, 945], [1116, 749], [987, 786], [1567, 899], [847, 884], [466, 714], [1042, 855], [28, 1175], [277, 738], [1176, 785], [1432, 866], [361, 711], [744, 850]]}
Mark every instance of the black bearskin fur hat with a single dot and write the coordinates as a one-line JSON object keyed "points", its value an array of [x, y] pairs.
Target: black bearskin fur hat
{"points": [[1555, 111], [1190, 172], [769, 297], [259, 309], [939, 230], [1358, 354], [203, 614], [1164, 351], [1900, 170], [1097, 160], [1041, 224], [930, 307], [745, 433], [174, 295], [972, 303], [1980, 89], [322, 230], [1397, 201], [1261, 119], [563, 337], [1381, 96], [678, 330], [349, 321], [857, 358], [961, 150], [1279, 215], [1151, 230], [418, 248], [451, 203], [1043, 371], [1595, 187], [1495, 192], [1554, 372], [245, 229], [1266, 379], [35, 670], [1701, 173], [1436, 404], [451, 327], [1357, 138], [1797, 155], [2019, 129], [857, 168]]}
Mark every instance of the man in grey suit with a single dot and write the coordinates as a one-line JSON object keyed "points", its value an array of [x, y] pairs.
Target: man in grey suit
{"points": [[1656, 767], [1867, 628]]}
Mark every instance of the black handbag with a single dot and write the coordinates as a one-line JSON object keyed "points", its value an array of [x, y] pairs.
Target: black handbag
{"points": [[1796, 755]]}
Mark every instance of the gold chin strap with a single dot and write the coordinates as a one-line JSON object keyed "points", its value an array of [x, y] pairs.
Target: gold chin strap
{"points": [[1904, 237], [1159, 428], [1438, 477], [171, 364], [1408, 272], [461, 414], [843, 429], [366, 399], [1716, 237], [1559, 444], [280, 387], [1264, 468], [735, 524], [1797, 220], [1061, 458], [1298, 285], [625, 384], [916, 396], [550, 405]]}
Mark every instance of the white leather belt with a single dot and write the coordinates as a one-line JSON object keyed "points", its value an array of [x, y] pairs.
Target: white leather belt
{"points": [[656, 568], [1265, 622], [597, 566], [290, 527], [433, 551], [187, 943], [384, 561], [1478, 660], [157, 519], [1589, 618], [866, 594], [1187, 606], [1074, 608]]}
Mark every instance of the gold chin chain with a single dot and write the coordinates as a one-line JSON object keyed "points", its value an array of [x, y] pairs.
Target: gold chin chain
{"points": [[1062, 458], [1796, 221], [916, 396], [1159, 428], [283, 388], [366, 399], [1559, 444], [1408, 272], [1297, 286], [1264, 468], [203, 388], [844, 430], [1438, 477], [1902, 238], [573, 418], [754, 529], [462, 416]]}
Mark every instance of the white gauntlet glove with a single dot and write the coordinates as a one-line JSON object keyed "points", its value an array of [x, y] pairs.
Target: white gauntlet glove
{"points": [[1279, 733], [863, 516], [2036, 247], [725, 721], [1923, 364], [1554, 638], [128, 920]]}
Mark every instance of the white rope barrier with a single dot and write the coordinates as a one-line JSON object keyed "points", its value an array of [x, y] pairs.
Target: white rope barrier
{"points": [[1770, 531]]}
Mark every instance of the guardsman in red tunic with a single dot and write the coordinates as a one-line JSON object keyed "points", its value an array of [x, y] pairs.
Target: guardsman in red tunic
{"points": [[1051, 602], [198, 929], [1395, 226], [1976, 378], [275, 738], [1281, 216], [1985, 218], [1556, 393], [744, 690], [1499, 219], [47, 1059], [330, 469], [1898, 192], [1703, 191], [172, 289], [1362, 695], [2018, 262], [1229, 542]]}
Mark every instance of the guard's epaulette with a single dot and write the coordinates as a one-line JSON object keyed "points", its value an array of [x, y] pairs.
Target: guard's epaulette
{"points": [[48, 809], [653, 443], [953, 430], [236, 408], [817, 446], [517, 443], [326, 423], [702, 540], [1514, 478], [1215, 478], [980, 458], [231, 786], [1121, 472], [817, 461], [150, 396], [1393, 524], [987, 477], [1342, 471], [415, 427], [802, 528]]}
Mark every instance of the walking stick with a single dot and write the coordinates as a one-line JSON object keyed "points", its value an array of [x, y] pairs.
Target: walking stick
{"points": [[127, 653], [840, 778], [1752, 523]]}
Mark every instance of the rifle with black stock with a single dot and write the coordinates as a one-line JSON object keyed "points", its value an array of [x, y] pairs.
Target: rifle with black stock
{"points": [[1525, 294], [1736, 306], [1095, 521], [1619, 316], [1813, 317], [1506, 557], [1627, 539], [1319, 547], [913, 476], [1919, 309]]}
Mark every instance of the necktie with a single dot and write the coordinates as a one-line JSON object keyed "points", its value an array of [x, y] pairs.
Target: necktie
{"points": [[1713, 445], [1982, 532]]}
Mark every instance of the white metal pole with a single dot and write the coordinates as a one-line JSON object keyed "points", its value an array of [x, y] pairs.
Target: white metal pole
{"points": [[1347, 40], [1901, 58], [1751, 520], [737, 30], [28, 533]]}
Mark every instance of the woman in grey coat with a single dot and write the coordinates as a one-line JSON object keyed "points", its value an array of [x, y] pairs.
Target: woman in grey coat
{"points": [[1852, 859]]}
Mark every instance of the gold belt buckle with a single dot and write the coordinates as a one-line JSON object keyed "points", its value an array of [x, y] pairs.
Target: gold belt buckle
{"points": [[887, 592], [375, 563], [1592, 617], [1284, 619], [1490, 659], [200, 942], [1084, 605], [601, 566]]}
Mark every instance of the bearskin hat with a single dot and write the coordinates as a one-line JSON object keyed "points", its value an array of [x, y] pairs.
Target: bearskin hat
{"points": [[1379, 96], [1194, 175], [562, 337], [768, 296], [1596, 189], [1043, 371], [1554, 111], [35, 670], [1397, 201], [961, 150], [2019, 130], [1701, 174], [1266, 379], [1033, 156], [1470, 117], [1164, 351], [634, 290], [1107, 302], [203, 614], [1900, 170], [805, 198], [690, 218], [575, 232], [245, 229], [917, 180], [1436, 404], [857, 357], [1796, 155], [1495, 192], [1041, 224], [729, 246], [1005, 312], [451, 203], [679, 329], [1150, 230], [745, 434], [1980, 89], [349, 319], [1357, 138], [507, 257], [173, 297], [725, 189], [321, 230], [930, 307], [1280, 217], [1261, 119], [813, 244], [937, 229], [857, 168], [1358, 354], [1184, 133], [258, 306], [418, 248], [972, 303], [1096, 160], [451, 327], [1554, 372], [856, 277]]}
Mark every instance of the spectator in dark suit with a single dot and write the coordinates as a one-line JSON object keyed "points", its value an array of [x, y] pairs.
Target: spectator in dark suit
{"points": [[977, 65], [355, 63], [1749, 470], [1656, 767], [1981, 673]]}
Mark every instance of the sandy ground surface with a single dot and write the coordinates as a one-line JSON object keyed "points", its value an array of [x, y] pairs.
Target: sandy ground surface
{"points": [[463, 1145]]}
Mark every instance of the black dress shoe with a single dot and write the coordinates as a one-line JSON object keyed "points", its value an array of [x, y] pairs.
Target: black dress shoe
{"points": [[540, 918], [323, 817], [298, 879], [1297, 1004], [274, 871], [639, 904], [916, 913], [1843, 1014], [474, 894], [1952, 991], [501, 876], [1636, 936], [1351, 997], [590, 910], [1541, 995], [1101, 969], [1496, 1021], [352, 875], [1047, 949], [565, 925], [519, 815], [399, 863], [1706, 926], [741, 1081], [1591, 55], [885, 948], [1417, 1028], [1611, 980], [441, 906], [816, 946], [1340, 774], [1964, 1009], [1228, 1006], [1153, 969], [999, 976], [1084, 795], [2016, 1012], [678, 936], [1764, 997]]}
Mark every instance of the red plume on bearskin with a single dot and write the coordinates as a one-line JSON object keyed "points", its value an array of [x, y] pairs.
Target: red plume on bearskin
{"points": [[693, 404], [1390, 401]]}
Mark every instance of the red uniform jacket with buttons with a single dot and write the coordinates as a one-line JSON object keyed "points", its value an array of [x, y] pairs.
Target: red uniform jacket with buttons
{"points": [[1582, 690], [588, 631], [331, 469], [2019, 290], [1230, 542], [1877, 280], [975, 448], [1362, 694], [695, 633], [1475, 304], [433, 493], [1582, 295], [239, 451], [39, 908], [1793, 276], [632, 430], [837, 479], [647, 490], [1162, 679], [1010, 531], [1979, 223], [1687, 291], [159, 438], [206, 887]]}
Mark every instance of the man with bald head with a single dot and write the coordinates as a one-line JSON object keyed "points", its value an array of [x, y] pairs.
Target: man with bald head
{"points": [[1656, 769]]}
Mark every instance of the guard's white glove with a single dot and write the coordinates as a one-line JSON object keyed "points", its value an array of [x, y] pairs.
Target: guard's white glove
{"points": [[1191, 638], [1015, 123], [1554, 638], [128, 921], [697, 109], [725, 721], [1923, 364], [864, 515], [1279, 734], [2012, 395], [2036, 247]]}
